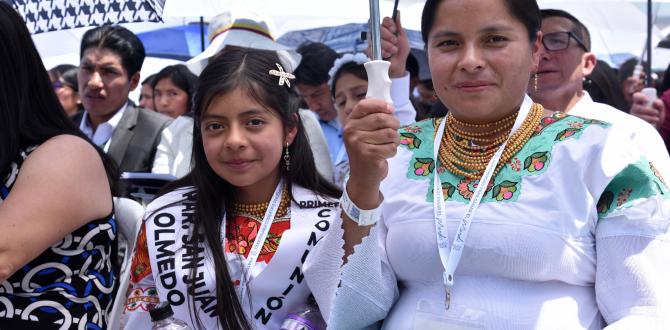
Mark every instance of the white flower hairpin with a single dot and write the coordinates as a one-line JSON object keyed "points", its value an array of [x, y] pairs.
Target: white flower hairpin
{"points": [[358, 58], [284, 77]]}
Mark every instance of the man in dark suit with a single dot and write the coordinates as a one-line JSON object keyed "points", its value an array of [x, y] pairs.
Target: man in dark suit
{"points": [[111, 59]]}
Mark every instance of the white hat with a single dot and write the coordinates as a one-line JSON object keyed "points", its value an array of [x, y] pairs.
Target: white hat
{"points": [[250, 31]]}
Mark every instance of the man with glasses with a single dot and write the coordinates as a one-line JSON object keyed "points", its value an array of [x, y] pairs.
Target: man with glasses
{"points": [[565, 60]]}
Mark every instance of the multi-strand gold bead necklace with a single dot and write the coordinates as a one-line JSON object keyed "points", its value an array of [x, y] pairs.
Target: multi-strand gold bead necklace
{"points": [[258, 210], [467, 154]]}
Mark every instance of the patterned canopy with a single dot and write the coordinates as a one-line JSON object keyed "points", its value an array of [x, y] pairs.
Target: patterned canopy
{"points": [[51, 15]]}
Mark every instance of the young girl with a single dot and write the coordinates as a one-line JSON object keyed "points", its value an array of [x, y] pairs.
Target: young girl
{"points": [[254, 180]]}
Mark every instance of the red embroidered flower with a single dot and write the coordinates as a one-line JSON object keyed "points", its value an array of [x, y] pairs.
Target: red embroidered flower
{"points": [[245, 230]]}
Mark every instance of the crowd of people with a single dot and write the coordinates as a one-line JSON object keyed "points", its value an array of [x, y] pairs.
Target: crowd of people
{"points": [[520, 186]]}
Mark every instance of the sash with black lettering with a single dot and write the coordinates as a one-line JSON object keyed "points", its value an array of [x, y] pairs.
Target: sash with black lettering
{"points": [[275, 289]]}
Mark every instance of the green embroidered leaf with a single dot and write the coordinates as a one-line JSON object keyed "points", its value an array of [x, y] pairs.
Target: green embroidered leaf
{"points": [[507, 184], [568, 132], [496, 191], [538, 154], [424, 160], [417, 143], [408, 135], [448, 188], [527, 162]]}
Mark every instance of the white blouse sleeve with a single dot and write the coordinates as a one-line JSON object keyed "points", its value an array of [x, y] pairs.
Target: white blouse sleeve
{"points": [[165, 153], [633, 250], [359, 294], [404, 110]]}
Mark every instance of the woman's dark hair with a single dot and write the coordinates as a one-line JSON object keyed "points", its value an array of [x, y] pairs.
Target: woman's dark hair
{"points": [[358, 70], [69, 78], [119, 40], [30, 111], [526, 11], [603, 86], [181, 77], [56, 72], [627, 68], [245, 69]]}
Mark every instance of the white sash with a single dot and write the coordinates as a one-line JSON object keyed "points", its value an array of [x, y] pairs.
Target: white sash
{"points": [[450, 261], [256, 248], [276, 290]]}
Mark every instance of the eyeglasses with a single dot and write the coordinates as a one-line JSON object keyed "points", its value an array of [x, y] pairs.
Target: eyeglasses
{"points": [[561, 40]]}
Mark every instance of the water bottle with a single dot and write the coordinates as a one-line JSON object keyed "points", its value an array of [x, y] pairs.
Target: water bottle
{"points": [[306, 317], [162, 317]]}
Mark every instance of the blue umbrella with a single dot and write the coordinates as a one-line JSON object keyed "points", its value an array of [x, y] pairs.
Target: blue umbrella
{"points": [[176, 42], [342, 38]]}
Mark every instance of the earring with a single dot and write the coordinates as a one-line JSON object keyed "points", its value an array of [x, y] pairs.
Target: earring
{"points": [[535, 82], [287, 158]]}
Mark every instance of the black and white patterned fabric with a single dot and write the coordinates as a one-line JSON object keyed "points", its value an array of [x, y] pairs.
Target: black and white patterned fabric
{"points": [[51, 15], [71, 285]]}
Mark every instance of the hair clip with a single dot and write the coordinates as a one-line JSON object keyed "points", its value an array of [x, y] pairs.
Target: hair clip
{"points": [[283, 76]]}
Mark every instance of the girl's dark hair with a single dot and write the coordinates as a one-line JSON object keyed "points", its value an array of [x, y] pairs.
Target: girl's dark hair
{"points": [[526, 11], [358, 70], [181, 77], [245, 69], [30, 111]]}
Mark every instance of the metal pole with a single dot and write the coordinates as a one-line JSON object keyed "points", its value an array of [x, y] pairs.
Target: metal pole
{"points": [[375, 36], [648, 79], [202, 34]]}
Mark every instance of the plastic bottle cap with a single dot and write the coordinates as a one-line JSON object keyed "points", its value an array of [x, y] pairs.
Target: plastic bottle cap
{"points": [[161, 312]]}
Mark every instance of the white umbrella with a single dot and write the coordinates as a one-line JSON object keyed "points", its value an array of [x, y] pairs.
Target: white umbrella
{"points": [[618, 28], [292, 15]]}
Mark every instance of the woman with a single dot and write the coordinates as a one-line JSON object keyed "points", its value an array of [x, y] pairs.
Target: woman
{"points": [[58, 236], [64, 80], [570, 230], [253, 177], [173, 89]]}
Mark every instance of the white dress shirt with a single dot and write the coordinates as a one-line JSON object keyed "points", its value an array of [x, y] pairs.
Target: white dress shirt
{"points": [[102, 135]]}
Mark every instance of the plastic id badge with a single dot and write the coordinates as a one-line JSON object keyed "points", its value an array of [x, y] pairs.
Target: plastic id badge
{"points": [[431, 315]]}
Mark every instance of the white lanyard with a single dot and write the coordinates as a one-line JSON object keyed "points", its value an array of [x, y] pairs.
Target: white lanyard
{"points": [[450, 262], [256, 248]]}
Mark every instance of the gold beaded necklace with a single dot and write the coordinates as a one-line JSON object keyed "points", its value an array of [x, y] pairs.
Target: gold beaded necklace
{"points": [[464, 154], [258, 210]]}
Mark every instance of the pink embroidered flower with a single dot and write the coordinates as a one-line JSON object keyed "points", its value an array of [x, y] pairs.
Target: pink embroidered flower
{"points": [[413, 129], [577, 125], [515, 164], [623, 196]]}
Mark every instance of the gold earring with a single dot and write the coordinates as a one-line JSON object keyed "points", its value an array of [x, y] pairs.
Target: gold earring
{"points": [[287, 158], [535, 82]]}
